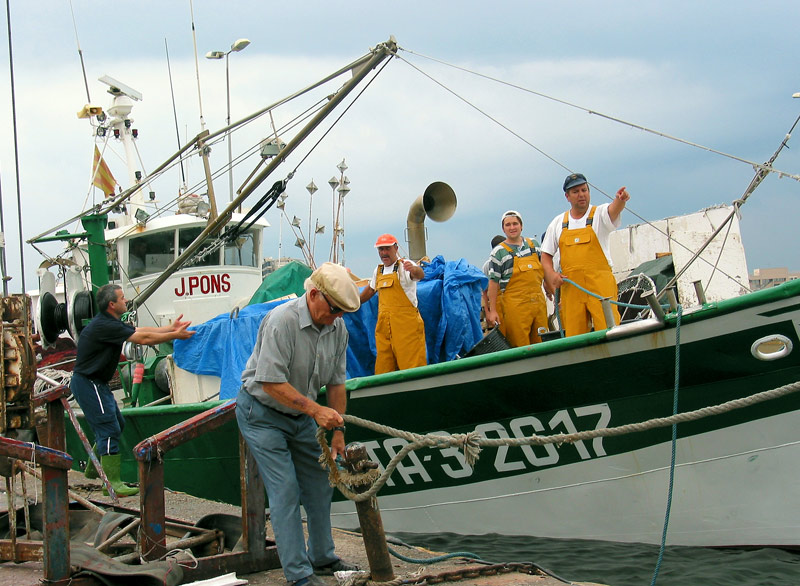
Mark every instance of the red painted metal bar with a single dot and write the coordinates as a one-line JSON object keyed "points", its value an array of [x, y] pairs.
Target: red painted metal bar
{"points": [[56, 428], [153, 536], [51, 394], [55, 537], [150, 449], [30, 452], [259, 554]]}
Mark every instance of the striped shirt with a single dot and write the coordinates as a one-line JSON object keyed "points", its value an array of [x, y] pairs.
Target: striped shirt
{"points": [[501, 261]]}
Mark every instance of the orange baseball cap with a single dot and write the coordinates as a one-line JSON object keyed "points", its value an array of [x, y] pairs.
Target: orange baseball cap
{"points": [[385, 240]]}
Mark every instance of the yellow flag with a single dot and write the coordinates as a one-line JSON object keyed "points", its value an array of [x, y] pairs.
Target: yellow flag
{"points": [[101, 174]]}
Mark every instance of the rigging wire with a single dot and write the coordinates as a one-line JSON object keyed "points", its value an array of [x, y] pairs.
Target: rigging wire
{"points": [[753, 164], [174, 110], [563, 166], [269, 199], [346, 109], [197, 66], [80, 53], [16, 152]]}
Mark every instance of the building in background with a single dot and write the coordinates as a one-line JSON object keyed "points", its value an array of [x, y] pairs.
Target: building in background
{"points": [[763, 278], [270, 264]]}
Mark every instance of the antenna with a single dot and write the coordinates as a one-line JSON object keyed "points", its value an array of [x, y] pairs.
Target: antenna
{"points": [[197, 67], [117, 88], [174, 110]]}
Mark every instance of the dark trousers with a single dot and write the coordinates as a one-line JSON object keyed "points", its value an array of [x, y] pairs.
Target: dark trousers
{"points": [[101, 411]]}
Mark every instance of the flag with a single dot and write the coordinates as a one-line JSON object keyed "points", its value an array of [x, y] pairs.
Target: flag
{"points": [[101, 174]]}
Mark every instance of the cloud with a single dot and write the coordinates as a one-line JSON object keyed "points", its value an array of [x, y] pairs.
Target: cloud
{"points": [[406, 131]]}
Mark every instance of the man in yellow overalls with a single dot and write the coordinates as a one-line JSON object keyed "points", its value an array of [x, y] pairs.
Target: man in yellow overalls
{"points": [[515, 296], [399, 332], [580, 237]]}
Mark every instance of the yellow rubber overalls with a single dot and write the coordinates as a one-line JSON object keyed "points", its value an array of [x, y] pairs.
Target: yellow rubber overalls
{"points": [[584, 262], [399, 332], [521, 306]]}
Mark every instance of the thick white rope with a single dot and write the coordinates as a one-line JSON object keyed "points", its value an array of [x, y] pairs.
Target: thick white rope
{"points": [[471, 443]]}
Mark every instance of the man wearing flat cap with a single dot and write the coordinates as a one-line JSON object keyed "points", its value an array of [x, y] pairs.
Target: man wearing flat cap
{"points": [[301, 347], [399, 331], [581, 237]]}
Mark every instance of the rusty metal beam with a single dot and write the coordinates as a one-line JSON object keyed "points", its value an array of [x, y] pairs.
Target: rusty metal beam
{"points": [[30, 452], [56, 524], [254, 501], [26, 551], [53, 551], [258, 554], [150, 449], [153, 533]]}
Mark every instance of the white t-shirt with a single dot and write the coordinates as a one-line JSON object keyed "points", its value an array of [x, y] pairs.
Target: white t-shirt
{"points": [[486, 266], [409, 285], [601, 224]]}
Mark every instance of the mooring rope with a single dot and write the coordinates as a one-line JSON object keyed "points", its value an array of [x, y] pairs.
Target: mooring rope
{"points": [[614, 301], [471, 443], [674, 444]]}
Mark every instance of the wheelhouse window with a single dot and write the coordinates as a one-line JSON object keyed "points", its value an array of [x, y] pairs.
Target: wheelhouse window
{"points": [[150, 253], [186, 236], [243, 251]]}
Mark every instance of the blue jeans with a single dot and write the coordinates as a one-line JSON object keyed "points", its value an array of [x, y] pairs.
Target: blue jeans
{"points": [[101, 411], [286, 452]]}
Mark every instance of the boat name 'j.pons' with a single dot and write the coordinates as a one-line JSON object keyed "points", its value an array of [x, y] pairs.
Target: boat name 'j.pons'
{"points": [[203, 284], [507, 460]]}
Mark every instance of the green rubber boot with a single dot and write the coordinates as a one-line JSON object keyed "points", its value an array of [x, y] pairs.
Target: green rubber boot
{"points": [[111, 464], [90, 471]]}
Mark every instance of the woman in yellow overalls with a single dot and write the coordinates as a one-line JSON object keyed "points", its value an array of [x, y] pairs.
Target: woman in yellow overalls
{"points": [[520, 306], [399, 331]]}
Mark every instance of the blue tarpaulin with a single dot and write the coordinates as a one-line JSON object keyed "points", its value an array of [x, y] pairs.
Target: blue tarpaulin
{"points": [[449, 302]]}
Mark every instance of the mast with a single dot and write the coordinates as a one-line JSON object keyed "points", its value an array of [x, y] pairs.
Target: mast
{"points": [[360, 69]]}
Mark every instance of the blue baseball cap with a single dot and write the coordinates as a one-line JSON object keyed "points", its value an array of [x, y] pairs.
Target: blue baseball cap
{"points": [[573, 181]]}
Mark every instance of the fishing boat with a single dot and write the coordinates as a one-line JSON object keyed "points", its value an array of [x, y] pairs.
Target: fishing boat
{"points": [[733, 472], [733, 467], [133, 240]]}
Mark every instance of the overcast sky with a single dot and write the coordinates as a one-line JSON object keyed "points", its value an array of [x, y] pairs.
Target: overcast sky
{"points": [[719, 74]]}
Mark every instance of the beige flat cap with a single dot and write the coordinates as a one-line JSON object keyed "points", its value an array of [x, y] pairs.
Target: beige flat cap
{"points": [[335, 282]]}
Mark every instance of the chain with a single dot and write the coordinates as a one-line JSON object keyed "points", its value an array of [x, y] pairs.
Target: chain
{"points": [[474, 572]]}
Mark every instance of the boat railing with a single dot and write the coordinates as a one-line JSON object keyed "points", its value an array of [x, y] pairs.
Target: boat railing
{"points": [[258, 554]]}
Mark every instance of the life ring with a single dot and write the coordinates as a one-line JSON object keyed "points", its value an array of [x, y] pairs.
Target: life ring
{"points": [[785, 349]]}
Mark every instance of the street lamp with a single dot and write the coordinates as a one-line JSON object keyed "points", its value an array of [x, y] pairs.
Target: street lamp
{"points": [[237, 46], [342, 185]]}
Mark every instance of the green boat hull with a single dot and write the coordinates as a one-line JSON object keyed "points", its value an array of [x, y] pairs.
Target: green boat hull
{"points": [[598, 380]]}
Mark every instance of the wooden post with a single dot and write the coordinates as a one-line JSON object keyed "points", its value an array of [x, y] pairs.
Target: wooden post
{"points": [[369, 517]]}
